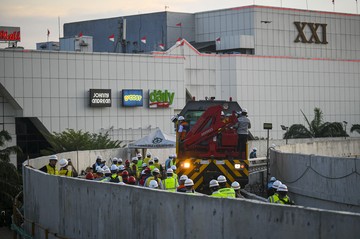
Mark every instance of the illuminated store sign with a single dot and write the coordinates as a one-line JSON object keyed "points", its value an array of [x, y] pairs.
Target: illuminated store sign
{"points": [[9, 33], [313, 27], [100, 97], [160, 99], [132, 98]]}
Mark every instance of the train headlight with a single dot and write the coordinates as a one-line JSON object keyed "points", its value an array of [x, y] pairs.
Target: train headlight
{"points": [[187, 165], [237, 166]]}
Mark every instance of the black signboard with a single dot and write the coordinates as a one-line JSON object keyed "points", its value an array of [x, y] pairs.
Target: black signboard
{"points": [[100, 97]]}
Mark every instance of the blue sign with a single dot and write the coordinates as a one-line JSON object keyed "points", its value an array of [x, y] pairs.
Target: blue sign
{"points": [[132, 98]]}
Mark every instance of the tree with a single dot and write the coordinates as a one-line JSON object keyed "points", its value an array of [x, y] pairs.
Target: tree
{"points": [[71, 140], [356, 128], [10, 179], [317, 128]]}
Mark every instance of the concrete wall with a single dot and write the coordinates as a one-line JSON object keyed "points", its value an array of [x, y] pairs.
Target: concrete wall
{"points": [[319, 181], [77, 208]]}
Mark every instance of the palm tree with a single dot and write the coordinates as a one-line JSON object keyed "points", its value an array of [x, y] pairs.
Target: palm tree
{"points": [[10, 179], [356, 128], [317, 128]]}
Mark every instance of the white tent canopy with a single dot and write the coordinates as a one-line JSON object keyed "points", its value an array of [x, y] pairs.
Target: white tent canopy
{"points": [[155, 140]]}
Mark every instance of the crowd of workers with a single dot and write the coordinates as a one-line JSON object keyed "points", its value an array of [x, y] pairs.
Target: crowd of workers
{"points": [[148, 172]]}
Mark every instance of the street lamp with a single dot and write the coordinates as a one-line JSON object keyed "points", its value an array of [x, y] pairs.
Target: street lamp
{"points": [[283, 127]]}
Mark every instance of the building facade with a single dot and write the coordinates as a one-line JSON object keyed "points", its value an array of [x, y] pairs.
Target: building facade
{"points": [[295, 60]]}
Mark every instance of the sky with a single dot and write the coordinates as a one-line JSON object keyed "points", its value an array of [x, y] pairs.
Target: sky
{"points": [[34, 17]]}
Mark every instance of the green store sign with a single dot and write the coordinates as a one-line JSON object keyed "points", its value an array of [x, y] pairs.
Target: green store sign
{"points": [[160, 99]]}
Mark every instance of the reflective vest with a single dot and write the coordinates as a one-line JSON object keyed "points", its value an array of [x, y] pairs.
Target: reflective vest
{"points": [[147, 182], [135, 170], [65, 172], [152, 167], [139, 163], [170, 184], [114, 178], [146, 160], [285, 200], [175, 176], [228, 192], [51, 170], [274, 198], [157, 165], [217, 194]]}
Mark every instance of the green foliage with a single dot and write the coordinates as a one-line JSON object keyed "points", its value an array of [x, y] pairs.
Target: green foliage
{"points": [[356, 128], [317, 128], [10, 179], [71, 140]]}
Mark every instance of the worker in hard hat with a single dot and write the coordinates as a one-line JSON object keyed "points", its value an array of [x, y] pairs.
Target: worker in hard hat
{"points": [[236, 186], [147, 158], [144, 175], [227, 192], [182, 128], [181, 188], [155, 176], [151, 165], [51, 167], [131, 180], [99, 176], [270, 189], [170, 183], [214, 188], [107, 174], [134, 167], [153, 184], [114, 178], [125, 176], [99, 162], [170, 161], [243, 125], [158, 165], [115, 161], [120, 161], [189, 186], [65, 170], [253, 153], [275, 197], [140, 160], [283, 198], [173, 167]]}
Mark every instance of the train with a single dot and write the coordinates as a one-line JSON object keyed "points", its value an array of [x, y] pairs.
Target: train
{"points": [[209, 147]]}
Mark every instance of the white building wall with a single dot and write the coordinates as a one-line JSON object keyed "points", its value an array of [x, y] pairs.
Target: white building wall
{"points": [[55, 88]]}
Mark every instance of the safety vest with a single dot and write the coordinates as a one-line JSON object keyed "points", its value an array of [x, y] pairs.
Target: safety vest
{"points": [[274, 198], [147, 182], [175, 176], [217, 194], [170, 184], [139, 163], [157, 165], [228, 192], [65, 172], [146, 160], [152, 167], [136, 170], [51, 170], [285, 200], [114, 178]]}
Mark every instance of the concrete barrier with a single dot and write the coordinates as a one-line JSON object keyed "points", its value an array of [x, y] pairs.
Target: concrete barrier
{"points": [[77, 208], [319, 181]]}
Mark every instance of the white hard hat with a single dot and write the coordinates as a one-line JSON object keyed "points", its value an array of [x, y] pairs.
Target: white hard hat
{"points": [[115, 159], [189, 182], [143, 172], [276, 184], [107, 170], [254, 148], [148, 154], [181, 118], [105, 167], [134, 159], [238, 112], [213, 183], [53, 157], [100, 170], [63, 163], [153, 184], [183, 177], [144, 165], [169, 171], [99, 157], [235, 185], [121, 167], [114, 167], [156, 170], [282, 188], [139, 155], [156, 158], [244, 110], [272, 179], [173, 167], [120, 160], [221, 179], [222, 113]]}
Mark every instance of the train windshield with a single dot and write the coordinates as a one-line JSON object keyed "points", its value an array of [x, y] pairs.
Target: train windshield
{"points": [[192, 116]]}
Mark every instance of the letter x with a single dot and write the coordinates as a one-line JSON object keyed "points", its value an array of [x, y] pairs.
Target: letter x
{"points": [[313, 27], [300, 27]]}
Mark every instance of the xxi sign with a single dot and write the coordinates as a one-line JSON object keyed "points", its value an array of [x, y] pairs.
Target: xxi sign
{"points": [[314, 27]]}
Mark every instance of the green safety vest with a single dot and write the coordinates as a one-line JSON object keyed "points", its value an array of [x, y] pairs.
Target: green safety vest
{"points": [[274, 198], [146, 160], [65, 172], [175, 176], [152, 167], [51, 170], [228, 192], [217, 194], [139, 163], [170, 184], [285, 200]]}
